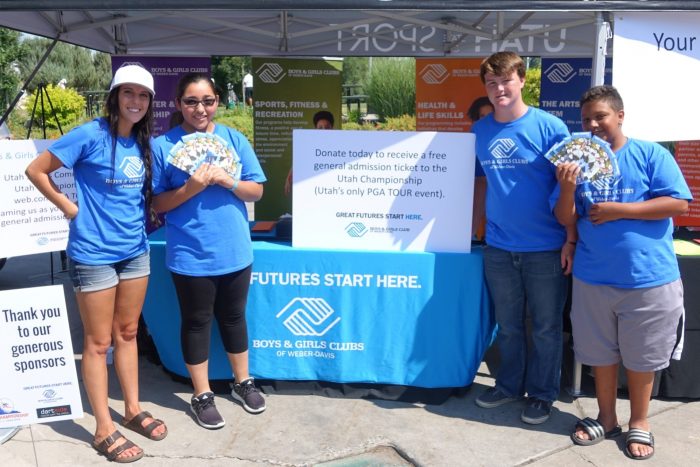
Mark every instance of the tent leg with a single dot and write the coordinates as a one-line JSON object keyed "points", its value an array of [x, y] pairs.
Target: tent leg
{"points": [[600, 51]]}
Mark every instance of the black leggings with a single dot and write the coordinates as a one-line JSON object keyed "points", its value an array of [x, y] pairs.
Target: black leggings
{"points": [[202, 298]]}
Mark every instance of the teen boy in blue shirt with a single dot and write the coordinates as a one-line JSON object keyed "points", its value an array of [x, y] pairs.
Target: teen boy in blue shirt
{"points": [[527, 253]]}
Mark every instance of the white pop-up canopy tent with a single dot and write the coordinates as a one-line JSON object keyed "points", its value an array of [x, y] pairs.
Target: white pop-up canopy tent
{"points": [[322, 28], [459, 28]]}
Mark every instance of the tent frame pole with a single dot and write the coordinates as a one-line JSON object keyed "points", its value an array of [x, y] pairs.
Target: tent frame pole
{"points": [[29, 80]]}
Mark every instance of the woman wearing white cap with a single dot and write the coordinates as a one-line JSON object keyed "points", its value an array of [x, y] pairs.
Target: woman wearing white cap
{"points": [[107, 246]]}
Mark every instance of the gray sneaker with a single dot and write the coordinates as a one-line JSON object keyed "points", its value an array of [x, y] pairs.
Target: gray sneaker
{"points": [[493, 397], [537, 411], [204, 410], [247, 394]]}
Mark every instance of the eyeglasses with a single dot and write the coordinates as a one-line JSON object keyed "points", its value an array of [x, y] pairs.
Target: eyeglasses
{"points": [[192, 102]]}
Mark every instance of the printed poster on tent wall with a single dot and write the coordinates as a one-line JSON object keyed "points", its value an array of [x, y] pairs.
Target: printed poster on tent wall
{"points": [[287, 94], [687, 155], [564, 80], [656, 62], [445, 89], [166, 72]]}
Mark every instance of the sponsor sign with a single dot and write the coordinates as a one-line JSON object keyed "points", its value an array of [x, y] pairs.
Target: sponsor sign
{"points": [[37, 367], [655, 53], [564, 80], [29, 223], [445, 89], [377, 190], [166, 72], [288, 93]]}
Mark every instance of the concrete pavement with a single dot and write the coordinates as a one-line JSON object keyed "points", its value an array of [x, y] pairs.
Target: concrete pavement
{"points": [[314, 430]]}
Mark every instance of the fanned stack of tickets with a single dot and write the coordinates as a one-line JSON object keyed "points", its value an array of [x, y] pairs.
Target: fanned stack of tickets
{"points": [[198, 148], [597, 161]]}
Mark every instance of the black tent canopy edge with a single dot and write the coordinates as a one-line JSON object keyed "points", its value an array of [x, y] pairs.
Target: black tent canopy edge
{"points": [[434, 5]]}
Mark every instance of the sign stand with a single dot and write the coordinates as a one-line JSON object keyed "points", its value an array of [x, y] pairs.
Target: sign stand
{"points": [[6, 434], [40, 93]]}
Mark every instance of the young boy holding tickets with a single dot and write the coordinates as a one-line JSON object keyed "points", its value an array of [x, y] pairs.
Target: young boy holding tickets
{"points": [[626, 310]]}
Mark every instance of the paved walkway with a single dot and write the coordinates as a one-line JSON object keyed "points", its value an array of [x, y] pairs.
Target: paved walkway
{"points": [[313, 430]]}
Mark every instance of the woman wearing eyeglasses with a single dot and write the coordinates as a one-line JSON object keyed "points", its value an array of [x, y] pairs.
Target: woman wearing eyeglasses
{"points": [[208, 250]]}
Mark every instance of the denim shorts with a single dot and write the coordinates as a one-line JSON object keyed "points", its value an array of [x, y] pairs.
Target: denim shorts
{"points": [[92, 278]]}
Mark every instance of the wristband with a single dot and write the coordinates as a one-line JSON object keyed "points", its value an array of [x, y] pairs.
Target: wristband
{"points": [[235, 185], [571, 243]]}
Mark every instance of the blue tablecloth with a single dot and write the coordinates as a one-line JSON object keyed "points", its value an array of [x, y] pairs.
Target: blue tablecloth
{"points": [[414, 319]]}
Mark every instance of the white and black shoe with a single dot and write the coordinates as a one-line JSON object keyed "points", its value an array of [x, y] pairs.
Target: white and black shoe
{"points": [[248, 395], [204, 410]]}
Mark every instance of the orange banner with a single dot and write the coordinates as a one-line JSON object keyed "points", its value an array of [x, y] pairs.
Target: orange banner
{"points": [[445, 89], [688, 158]]}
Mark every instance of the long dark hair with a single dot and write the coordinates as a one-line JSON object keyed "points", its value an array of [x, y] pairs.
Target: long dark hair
{"points": [[142, 131]]}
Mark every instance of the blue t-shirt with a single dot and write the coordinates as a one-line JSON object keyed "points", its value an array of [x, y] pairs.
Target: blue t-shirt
{"points": [[110, 225], [520, 180], [207, 235], [630, 253]]}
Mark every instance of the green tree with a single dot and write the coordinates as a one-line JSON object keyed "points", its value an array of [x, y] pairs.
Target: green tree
{"points": [[355, 70], [10, 54], [229, 70], [83, 69]]}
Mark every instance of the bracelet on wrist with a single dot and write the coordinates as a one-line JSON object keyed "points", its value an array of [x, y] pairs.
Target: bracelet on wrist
{"points": [[571, 242], [235, 185]]}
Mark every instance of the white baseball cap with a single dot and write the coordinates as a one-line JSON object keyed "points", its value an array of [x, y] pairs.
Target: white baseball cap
{"points": [[133, 74]]}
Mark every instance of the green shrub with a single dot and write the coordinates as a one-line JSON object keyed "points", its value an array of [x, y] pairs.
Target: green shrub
{"points": [[531, 91], [353, 126], [402, 123], [392, 87], [353, 116], [68, 107], [239, 118]]}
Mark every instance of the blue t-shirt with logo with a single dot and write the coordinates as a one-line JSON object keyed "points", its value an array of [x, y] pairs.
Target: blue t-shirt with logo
{"points": [[207, 235], [630, 253], [110, 225], [520, 180]]}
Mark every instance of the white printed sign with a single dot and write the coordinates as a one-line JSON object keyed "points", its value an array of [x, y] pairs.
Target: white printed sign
{"points": [[377, 190], [37, 369], [656, 54], [29, 223]]}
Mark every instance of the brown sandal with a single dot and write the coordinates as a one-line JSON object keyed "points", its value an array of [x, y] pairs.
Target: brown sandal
{"points": [[147, 431], [103, 448]]}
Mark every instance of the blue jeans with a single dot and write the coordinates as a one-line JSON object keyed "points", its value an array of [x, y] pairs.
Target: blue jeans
{"points": [[532, 281]]}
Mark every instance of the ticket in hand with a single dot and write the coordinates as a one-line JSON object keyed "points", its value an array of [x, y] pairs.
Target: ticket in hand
{"points": [[592, 154], [198, 148]]}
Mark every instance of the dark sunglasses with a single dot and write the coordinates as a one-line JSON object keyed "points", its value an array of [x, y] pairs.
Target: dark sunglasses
{"points": [[192, 102]]}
